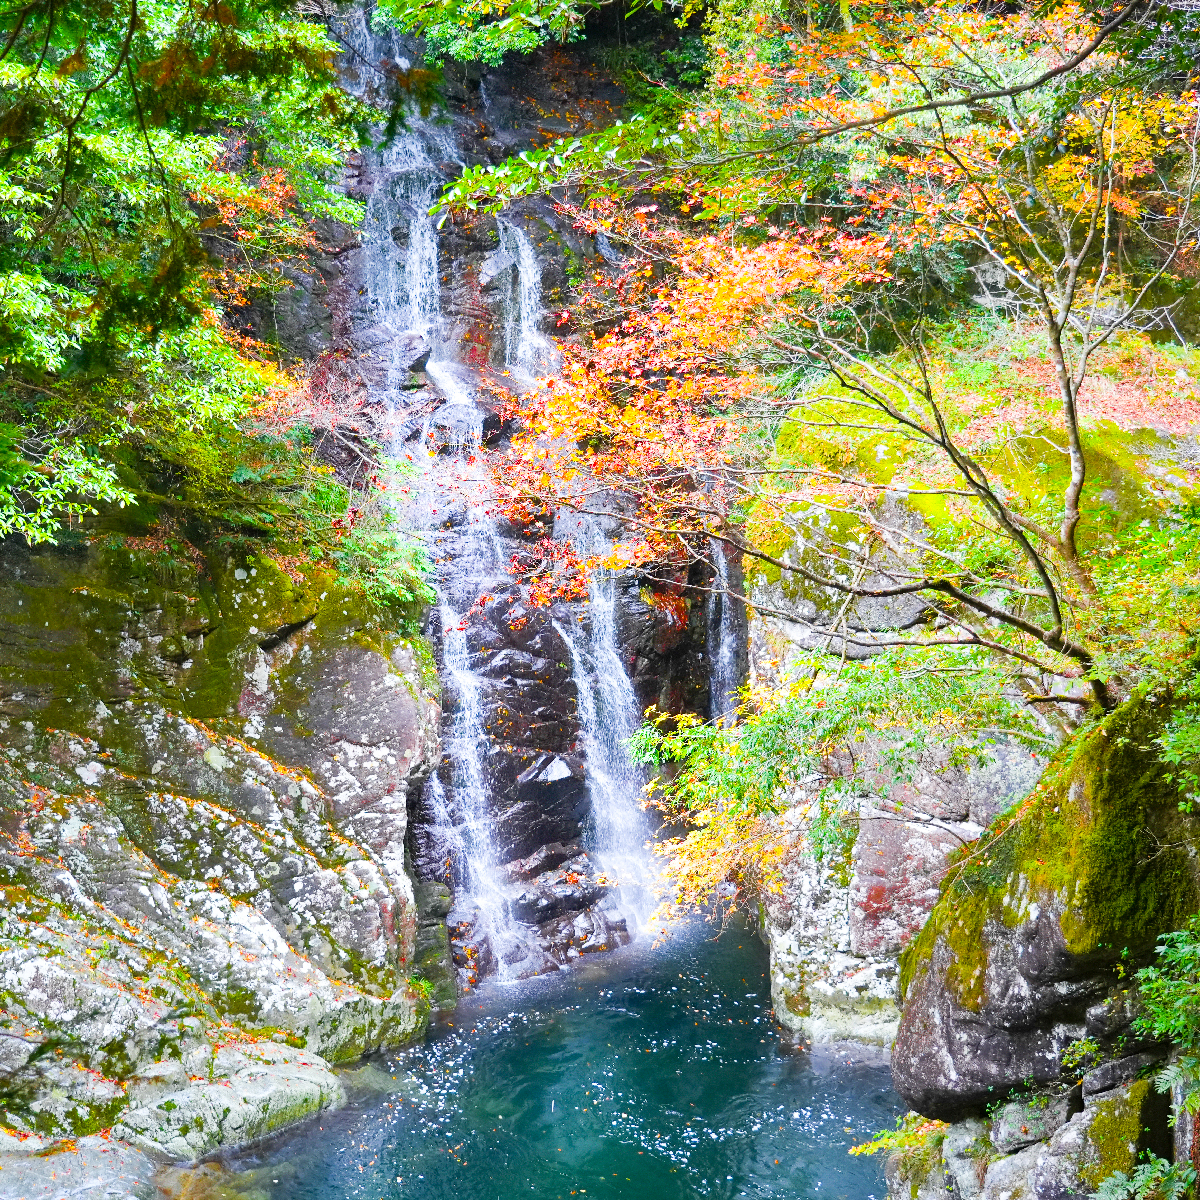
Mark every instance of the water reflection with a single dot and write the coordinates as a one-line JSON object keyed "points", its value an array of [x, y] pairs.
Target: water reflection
{"points": [[652, 1074]]}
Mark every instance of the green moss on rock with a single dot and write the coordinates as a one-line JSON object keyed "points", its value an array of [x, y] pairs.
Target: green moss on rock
{"points": [[1120, 1129], [1100, 844]]}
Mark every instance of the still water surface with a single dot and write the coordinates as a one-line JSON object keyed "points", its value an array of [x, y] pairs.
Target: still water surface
{"points": [[646, 1075]]}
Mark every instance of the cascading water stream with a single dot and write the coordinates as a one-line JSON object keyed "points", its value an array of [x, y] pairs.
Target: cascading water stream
{"points": [[484, 893], [618, 832], [401, 275], [402, 270], [512, 916], [725, 638], [527, 350]]}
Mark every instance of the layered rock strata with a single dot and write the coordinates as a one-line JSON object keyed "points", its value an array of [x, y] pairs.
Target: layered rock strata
{"points": [[203, 812], [837, 930]]}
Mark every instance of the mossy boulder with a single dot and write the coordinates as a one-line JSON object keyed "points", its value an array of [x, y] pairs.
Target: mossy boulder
{"points": [[1038, 923], [1109, 1135]]}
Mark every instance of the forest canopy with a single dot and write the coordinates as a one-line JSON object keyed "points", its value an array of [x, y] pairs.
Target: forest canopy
{"points": [[161, 164]]}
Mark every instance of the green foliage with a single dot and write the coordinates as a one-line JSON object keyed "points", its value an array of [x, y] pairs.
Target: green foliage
{"points": [[1179, 743], [1180, 746], [66, 483], [586, 158], [486, 30], [422, 986], [915, 1146], [912, 1132], [1170, 988], [657, 79], [1081, 1054], [1154, 1179], [383, 564], [811, 736], [1145, 567], [1169, 992], [483, 30], [158, 168]]}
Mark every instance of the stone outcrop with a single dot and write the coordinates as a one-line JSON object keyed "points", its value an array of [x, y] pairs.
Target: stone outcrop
{"points": [[1028, 950], [203, 811], [1025, 950], [31, 1168], [1051, 1145], [837, 930]]}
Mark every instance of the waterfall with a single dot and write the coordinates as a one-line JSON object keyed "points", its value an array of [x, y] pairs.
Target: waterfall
{"points": [[503, 818], [483, 917], [402, 285], [618, 830], [527, 350], [402, 268], [726, 619]]}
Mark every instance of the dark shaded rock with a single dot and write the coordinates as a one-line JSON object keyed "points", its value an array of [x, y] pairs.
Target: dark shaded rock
{"points": [[535, 906], [549, 802], [1118, 1073], [432, 957], [667, 661], [543, 859], [951, 1060], [589, 932], [569, 888], [471, 949], [1022, 1122]]}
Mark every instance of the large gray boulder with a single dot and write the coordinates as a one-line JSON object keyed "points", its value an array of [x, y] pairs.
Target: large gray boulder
{"points": [[1025, 950], [203, 813]]}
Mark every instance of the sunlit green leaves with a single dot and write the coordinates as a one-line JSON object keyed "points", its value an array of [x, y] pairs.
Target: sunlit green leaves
{"points": [[565, 161], [66, 481], [484, 30], [810, 734], [159, 164], [40, 321]]}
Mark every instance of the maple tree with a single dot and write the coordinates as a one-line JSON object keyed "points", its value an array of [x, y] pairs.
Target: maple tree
{"points": [[1077, 211], [862, 313]]}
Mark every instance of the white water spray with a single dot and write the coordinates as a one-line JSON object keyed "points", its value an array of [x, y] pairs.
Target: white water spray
{"points": [[618, 831], [528, 352], [724, 637]]}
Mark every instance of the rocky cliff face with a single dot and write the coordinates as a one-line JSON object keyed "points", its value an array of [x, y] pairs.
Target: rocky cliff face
{"points": [[217, 764], [203, 813], [442, 320], [1026, 954], [837, 930]]}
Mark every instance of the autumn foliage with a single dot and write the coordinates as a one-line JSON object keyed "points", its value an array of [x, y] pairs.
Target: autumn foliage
{"points": [[649, 418]]}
